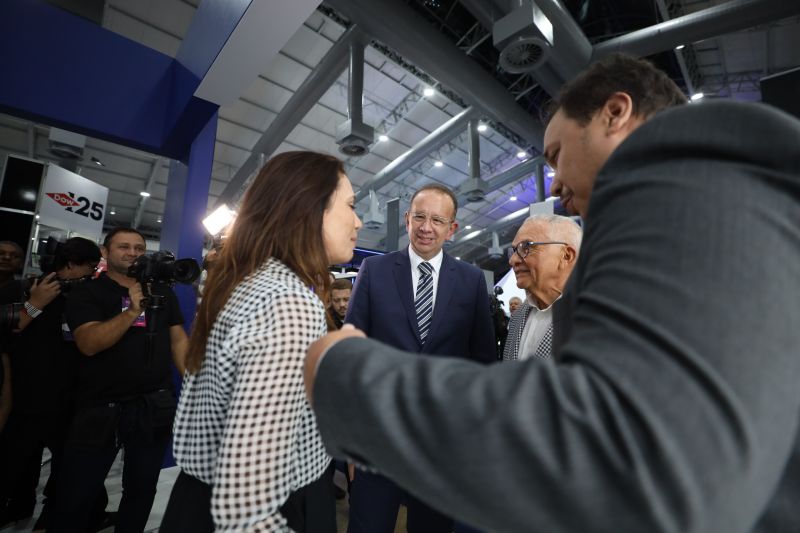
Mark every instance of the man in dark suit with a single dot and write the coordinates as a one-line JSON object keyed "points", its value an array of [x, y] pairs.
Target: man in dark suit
{"points": [[673, 403], [420, 300]]}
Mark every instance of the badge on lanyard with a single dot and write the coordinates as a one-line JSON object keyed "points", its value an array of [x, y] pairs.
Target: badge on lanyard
{"points": [[140, 320]]}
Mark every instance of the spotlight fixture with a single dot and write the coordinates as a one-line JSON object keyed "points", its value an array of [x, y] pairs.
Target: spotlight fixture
{"points": [[383, 138], [482, 127], [438, 164], [697, 96], [145, 194], [428, 92]]}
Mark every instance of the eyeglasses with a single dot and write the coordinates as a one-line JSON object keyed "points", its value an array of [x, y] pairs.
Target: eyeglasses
{"points": [[437, 221], [526, 247]]}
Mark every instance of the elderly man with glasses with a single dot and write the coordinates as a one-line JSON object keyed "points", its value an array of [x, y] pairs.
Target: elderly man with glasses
{"points": [[544, 252], [424, 301]]}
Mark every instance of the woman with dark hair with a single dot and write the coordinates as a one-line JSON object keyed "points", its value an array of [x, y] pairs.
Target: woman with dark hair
{"points": [[245, 436]]}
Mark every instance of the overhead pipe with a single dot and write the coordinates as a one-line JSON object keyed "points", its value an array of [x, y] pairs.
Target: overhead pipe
{"points": [[573, 50], [400, 28], [353, 136], [474, 188], [307, 95], [704, 24], [418, 152], [507, 177]]}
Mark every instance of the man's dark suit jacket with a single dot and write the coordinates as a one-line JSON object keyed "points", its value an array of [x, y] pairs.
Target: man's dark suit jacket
{"points": [[382, 305], [674, 401]]}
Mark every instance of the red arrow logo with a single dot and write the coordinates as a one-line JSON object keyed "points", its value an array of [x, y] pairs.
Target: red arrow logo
{"points": [[63, 199]]}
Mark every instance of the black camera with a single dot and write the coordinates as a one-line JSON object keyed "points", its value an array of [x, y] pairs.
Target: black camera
{"points": [[9, 317], [162, 267]]}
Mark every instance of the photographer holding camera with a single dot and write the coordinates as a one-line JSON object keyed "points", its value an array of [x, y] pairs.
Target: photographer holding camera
{"points": [[43, 361], [125, 397]]}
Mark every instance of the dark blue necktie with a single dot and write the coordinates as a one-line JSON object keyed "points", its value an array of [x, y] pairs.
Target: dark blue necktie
{"points": [[423, 303]]}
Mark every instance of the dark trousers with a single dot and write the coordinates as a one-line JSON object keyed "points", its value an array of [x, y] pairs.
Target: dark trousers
{"points": [[310, 509], [84, 471], [24, 439], [375, 500]]}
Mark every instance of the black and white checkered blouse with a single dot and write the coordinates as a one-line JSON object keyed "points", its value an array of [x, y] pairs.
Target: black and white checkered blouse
{"points": [[243, 424]]}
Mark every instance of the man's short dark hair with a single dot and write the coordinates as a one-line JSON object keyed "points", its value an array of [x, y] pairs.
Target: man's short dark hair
{"points": [[342, 284], [650, 89], [78, 251], [441, 189], [114, 232]]}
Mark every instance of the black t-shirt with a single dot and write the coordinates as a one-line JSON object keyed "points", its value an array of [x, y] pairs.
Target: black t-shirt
{"points": [[124, 370], [43, 358]]}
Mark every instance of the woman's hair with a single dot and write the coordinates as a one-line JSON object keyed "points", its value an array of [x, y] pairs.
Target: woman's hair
{"points": [[78, 251], [281, 217]]}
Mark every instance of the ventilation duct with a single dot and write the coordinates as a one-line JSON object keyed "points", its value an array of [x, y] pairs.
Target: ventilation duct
{"points": [[66, 145], [495, 252], [524, 38], [353, 136], [474, 189], [373, 219]]}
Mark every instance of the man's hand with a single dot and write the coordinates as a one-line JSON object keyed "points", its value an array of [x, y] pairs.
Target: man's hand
{"points": [[136, 296], [44, 291], [318, 349]]}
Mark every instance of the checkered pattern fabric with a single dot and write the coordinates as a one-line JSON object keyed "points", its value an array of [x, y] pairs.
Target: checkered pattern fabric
{"points": [[515, 329], [423, 303], [243, 423]]}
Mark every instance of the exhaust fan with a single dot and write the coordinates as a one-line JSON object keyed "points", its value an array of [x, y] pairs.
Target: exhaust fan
{"points": [[524, 38]]}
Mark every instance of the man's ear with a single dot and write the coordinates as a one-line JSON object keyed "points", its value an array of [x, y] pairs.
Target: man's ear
{"points": [[104, 252], [570, 255], [618, 113]]}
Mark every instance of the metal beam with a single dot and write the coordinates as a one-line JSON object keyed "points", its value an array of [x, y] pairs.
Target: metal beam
{"points": [[664, 12], [301, 102], [418, 152], [400, 28], [714, 21], [137, 216], [507, 177]]}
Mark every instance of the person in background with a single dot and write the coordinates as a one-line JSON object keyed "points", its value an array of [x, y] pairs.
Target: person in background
{"points": [[513, 304], [11, 258], [340, 296], [245, 437], [543, 255]]}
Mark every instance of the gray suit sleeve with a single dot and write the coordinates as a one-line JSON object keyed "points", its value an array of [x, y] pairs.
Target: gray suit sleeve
{"points": [[674, 404]]}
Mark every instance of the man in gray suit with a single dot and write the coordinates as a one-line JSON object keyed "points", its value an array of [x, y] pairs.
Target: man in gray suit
{"points": [[674, 402], [543, 255]]}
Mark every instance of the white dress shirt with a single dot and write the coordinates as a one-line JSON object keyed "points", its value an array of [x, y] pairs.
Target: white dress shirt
{"points": [[435, 262]]}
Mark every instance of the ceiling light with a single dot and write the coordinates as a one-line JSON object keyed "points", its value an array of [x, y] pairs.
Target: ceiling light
{"points": [[513, 198], [37, 217], [467, 227], [697, 96], [438, 164], [97, 162], [145, 194], [159, 220], [482, 127], [383, 138], [112, 212], [219, 219], [428, 92], [679, 47], [458, 258], [522, 155]]}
